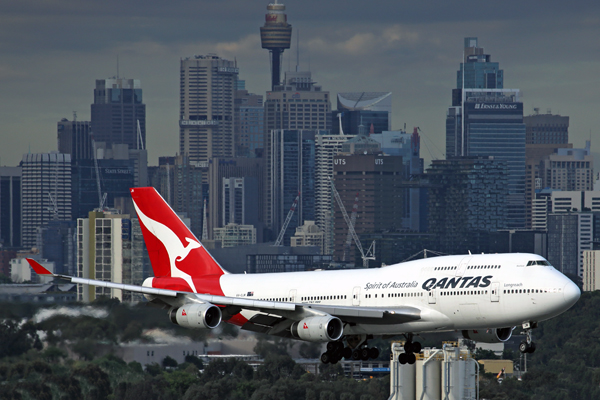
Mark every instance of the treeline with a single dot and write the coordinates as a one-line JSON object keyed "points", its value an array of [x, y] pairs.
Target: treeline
{"points": [[49, 374], [59, 357]]}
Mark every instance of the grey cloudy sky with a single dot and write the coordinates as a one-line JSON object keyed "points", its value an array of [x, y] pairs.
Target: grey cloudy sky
{"points": [[53, 50]]}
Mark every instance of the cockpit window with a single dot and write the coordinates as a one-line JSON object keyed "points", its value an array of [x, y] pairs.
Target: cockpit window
{"points": [[538, 262]]}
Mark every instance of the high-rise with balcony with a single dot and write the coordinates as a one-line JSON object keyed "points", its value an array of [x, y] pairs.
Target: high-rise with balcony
{"points": [[206, 110]]}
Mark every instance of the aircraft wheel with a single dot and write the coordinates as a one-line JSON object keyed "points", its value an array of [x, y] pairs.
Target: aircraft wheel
{"points": [[325, 358], [531, 348], [356, 355], [347, 353], [403, 358], [523, 347], [411, 358], [373, 352], [330, 346], [416, 347], [364, 354]]}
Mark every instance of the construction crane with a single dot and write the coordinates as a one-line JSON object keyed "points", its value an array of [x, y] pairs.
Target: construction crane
{"points": [[353, 222], [370, 254], [287, 221]]}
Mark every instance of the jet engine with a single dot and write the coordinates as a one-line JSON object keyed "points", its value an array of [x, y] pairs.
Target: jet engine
{"points": [[318, 329], [196, 315], [496, 335]]}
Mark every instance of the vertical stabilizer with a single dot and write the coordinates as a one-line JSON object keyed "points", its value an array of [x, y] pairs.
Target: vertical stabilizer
{"points": [[173, 249]]}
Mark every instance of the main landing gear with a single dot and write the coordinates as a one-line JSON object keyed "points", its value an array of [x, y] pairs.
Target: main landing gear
{"points": [[410, 348], [528, 345], [336, 351]]}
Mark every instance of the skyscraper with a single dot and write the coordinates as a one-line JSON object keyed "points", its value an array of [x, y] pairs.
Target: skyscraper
{"points": [[118, 108], [75, 138], [291, 172], [467, 200], [10, 206], [206, 112], [546, 129], [380, 203], [46, 192], [492, 125], [249, 123]]}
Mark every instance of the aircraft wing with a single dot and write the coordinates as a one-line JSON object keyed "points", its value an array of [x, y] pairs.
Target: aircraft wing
{"points": [[273, 317]]}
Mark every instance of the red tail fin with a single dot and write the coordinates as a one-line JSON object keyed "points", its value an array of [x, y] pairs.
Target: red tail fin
{"points": [[173, 249]]}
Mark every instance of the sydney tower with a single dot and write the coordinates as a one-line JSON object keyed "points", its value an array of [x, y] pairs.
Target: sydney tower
{"points": [[276, 36]]}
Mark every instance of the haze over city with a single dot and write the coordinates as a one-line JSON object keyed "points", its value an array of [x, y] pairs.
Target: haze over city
{"points": [[54, 51]]}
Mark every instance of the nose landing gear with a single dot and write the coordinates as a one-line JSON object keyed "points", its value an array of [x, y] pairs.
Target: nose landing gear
{"points": [[528, 345]]}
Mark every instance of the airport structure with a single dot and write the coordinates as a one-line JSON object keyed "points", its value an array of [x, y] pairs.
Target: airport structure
{"points": [[448, 373], [276, 36]]}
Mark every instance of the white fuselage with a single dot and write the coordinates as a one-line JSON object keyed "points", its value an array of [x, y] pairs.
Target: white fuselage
{"points": [[452, 292]]}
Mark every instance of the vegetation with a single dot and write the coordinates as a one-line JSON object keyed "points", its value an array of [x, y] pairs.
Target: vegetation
{"points": [[59, 357]]}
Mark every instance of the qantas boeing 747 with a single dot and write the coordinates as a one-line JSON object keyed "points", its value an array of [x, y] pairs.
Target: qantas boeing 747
{"points": [[485, 296]]}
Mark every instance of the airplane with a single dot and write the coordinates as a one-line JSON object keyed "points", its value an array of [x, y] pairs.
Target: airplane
{"points": [[486, 296]]}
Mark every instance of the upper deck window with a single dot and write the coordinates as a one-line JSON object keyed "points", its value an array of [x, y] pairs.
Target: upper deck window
{"points": [[538, 262]]}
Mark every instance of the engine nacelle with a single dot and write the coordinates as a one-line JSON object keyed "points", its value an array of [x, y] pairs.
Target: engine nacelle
{"points": [[498, 335], [318, 329], [196, 315]]}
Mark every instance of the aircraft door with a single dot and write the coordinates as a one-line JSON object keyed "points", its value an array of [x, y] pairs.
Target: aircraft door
{"points": [[431, 296], [460, 271], [356, 296], [293, 295], [495, 292]]}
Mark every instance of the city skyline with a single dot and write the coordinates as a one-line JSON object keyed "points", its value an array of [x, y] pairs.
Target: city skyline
{"points": [[54, 52]]}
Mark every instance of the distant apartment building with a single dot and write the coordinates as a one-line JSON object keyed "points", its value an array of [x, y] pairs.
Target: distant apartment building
{"points": [[591, 270], [109, 248], [233, 235], [308, 234], [568, 169]]}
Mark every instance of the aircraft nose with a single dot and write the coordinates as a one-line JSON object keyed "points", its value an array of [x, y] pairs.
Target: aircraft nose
{"points": [[571, 293]]}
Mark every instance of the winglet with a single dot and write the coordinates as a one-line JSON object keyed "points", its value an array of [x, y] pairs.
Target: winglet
{"points": [[37, 267]]}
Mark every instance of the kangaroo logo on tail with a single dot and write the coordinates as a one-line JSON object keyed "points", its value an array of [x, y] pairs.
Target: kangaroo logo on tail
{"points": [[175, 249]]}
